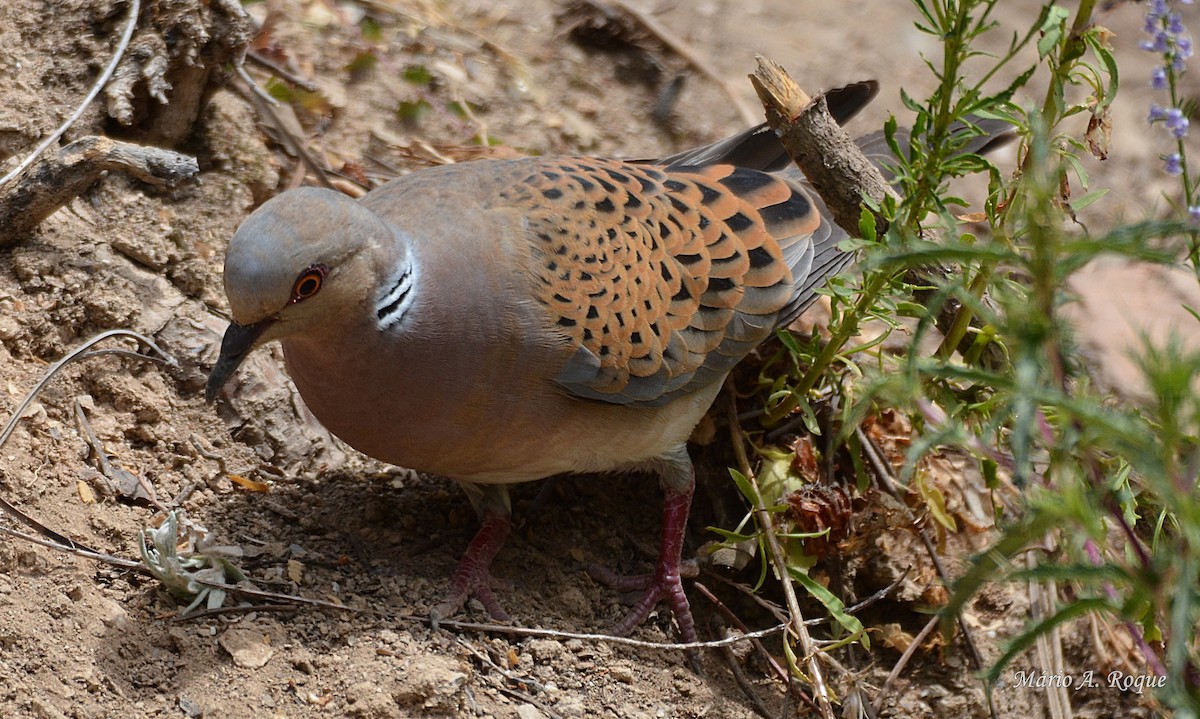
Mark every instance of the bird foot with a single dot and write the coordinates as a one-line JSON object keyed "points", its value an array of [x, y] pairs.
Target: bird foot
{"points": [[473, 575], [665, 584], [478, 585]]}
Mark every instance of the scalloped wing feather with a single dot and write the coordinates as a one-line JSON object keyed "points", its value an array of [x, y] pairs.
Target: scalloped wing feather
{"points": [[662, 279]]}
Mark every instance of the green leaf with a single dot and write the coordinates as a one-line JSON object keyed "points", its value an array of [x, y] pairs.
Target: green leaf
{"points": [[417, 75], [413, 111], [744, 486], [729, 536], [371, 30], [281, 91], [1192, 311], [1078, 168], [1088, 199], [1110, 67], [837, 609], [362, 63], [988, 468], [789, 340], [1052, 29], [935, 501], [866, 225]]}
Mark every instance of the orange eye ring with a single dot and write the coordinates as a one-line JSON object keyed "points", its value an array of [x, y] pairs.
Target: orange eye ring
{"points": [[308, 283]]}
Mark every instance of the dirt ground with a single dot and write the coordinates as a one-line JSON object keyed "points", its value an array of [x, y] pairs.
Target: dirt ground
{"points": [[82, 639]]}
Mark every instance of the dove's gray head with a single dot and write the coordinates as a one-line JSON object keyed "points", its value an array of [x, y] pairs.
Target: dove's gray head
{"points": [[306, 258]]}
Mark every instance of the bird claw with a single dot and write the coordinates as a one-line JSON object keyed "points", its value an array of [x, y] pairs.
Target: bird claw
{"points": [[662, 585], [467, 584], [473, 577]]}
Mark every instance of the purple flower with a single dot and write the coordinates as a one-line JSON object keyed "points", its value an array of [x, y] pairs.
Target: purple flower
{"points": [[1166, 29], [1168, 39], [1175, 24], [1183, 48], [1177, 123], [1194, 213], [1159, 45]]}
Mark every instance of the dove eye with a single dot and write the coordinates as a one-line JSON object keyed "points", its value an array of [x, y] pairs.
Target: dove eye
{"points": [[308, 283]]}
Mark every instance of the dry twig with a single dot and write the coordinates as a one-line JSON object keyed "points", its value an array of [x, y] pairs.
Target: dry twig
{"points": [[289, 139], [1043, 595], [780, 672], [779, 559], [121, 482], [62, 544], [909, 651], [284, 73], [59, 178], [515, 679], [608, 638]]}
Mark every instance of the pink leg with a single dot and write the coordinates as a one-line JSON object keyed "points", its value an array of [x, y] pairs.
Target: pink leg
{"points": [[473, 574], [679, 483]]}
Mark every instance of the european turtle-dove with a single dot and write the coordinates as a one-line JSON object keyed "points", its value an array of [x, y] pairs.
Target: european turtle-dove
{"points": [[591, 308]]}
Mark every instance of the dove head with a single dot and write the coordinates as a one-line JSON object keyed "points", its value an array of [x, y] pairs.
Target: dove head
{"points": [[302, 261]]}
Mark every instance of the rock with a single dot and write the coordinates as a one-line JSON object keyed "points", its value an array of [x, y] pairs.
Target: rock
{"points": [[248, 648], [367, 700], [434, 684], [529, 711], [190, 707], [112, 614], [545, 651]]}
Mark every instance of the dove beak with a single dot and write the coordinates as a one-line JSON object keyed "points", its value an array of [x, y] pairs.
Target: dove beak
{"points": [[237, 343]]}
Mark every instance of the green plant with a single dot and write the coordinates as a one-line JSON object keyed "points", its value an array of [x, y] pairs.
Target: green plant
{"points": [[1108, 496]]}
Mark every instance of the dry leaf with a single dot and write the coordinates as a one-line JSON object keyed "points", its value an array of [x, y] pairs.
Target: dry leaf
{"points": [[250, 484], [295, 571], [1099, 132], [895, 637], [86, 495]]}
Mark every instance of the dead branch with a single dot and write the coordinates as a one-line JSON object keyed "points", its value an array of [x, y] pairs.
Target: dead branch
{"points": [[609, 638], [827, 155], [909, 651], [122, 483], [766, 525], [289, 139], [766, 657], [843, 176], [282, 72], [59, 178], [75, 548]]}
